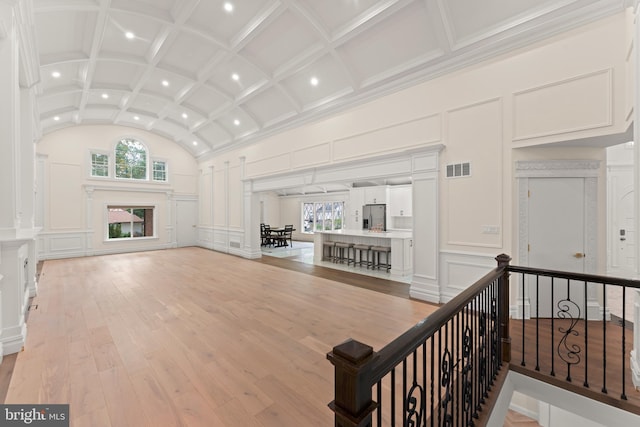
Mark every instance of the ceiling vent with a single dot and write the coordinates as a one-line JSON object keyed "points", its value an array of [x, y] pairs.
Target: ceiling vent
{"points": [[458, 169]]}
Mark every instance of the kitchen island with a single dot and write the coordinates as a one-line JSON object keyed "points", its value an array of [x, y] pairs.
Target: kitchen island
{"points": [[400, 242]]}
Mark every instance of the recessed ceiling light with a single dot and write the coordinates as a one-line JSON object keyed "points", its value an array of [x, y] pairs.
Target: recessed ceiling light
{"points": [[105, 96], [129, 35], [136, 118], [56, 118], [56, 74], [314, 81], [185, 115], [228, 6], [236, 122], [235, 76], [195, 142], [165, 83]]}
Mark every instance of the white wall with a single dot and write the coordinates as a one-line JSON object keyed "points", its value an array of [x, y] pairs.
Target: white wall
{"points": [[291, 210], [74, 217], [572, 87]]}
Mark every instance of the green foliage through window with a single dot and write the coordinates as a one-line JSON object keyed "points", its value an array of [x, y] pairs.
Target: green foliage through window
{"points": [[99, 164], [131, 159]]}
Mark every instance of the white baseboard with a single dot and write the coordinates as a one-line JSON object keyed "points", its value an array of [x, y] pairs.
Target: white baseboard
{"points": [[13, 339]]}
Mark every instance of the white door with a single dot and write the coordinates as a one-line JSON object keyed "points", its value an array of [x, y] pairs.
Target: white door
{"points": [[186, 222], [556, 213]]}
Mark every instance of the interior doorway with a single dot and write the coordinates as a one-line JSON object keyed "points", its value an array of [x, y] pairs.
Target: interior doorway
{"points": [[556, 242], [557, 231], [186, 223]]}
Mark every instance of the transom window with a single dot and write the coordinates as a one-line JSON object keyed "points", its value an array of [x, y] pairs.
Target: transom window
{"points": [[131, 159], [130, 222], [319, 216]]}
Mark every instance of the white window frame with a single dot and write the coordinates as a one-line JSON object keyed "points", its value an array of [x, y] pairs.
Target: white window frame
{"points": [[323, 202], [109, 164], [147, 178], [166, 170], [108, 206]]}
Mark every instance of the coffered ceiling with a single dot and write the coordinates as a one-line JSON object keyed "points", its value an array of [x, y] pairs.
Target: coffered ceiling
{"points": [[211, 75]]}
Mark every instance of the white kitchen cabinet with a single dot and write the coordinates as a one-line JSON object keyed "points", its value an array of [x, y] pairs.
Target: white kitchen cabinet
{"points": [[400, 200], [354, 208], [375, 195]]}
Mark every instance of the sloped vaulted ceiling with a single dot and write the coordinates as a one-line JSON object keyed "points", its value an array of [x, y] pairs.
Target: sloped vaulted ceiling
{"points": [[214, 74]]}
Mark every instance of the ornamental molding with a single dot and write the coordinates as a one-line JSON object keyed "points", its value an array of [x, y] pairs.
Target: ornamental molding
{"points": [[557, 168]]}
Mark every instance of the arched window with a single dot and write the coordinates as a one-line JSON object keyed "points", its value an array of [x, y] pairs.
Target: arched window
{"points": [[131, 159]]}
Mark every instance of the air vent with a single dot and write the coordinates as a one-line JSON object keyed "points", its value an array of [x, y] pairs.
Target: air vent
{"points": [[234, 244], [458, 169]]}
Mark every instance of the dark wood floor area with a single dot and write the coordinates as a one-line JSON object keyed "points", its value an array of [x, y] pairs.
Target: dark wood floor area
{"points": [[389, 287], [586, 374]]}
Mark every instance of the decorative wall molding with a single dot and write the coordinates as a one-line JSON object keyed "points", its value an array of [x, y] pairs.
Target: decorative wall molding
{"points": [[598, 84], [557, 168], [459, 270]]}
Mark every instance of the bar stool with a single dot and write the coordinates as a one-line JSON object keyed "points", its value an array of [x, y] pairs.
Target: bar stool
{"points": [[375, 257], [339, 252], [361, 248], [328, 250]]}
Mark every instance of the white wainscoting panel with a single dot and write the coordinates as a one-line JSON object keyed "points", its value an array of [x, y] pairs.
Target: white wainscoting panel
{"points": [[459, 270], [586, 104]]}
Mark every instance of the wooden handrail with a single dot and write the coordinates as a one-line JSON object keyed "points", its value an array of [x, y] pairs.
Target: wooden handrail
{"points": [[358, 368], [394, 352]]}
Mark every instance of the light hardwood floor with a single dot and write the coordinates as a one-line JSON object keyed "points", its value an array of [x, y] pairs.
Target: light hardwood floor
{"points": [[191, 337]]}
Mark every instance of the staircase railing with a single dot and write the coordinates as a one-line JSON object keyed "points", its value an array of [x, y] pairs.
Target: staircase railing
{"points": [[567, 337], [438, 372]]}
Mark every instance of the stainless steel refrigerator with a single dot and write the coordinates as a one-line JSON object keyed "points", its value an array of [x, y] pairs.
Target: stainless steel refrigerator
{"points": [[374, 217]]}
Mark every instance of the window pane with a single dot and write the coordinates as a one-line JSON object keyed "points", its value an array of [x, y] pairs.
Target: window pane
{"points": [[307, 217], [338, 214], [328, 216], [99, 164], [159, 171], [319, 216], [131, 160], [130, 222]]}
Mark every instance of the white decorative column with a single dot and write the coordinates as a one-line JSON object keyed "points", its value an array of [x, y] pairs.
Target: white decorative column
{"points": [[425, 285], [15, 295], [17, 177], [10, 172], [250, 216]]}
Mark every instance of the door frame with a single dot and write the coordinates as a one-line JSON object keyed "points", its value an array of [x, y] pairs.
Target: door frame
{"points": [[589, 170]]}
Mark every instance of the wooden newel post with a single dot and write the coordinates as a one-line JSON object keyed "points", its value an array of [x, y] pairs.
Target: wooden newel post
{"points": [[352, 405], [503, 304]]}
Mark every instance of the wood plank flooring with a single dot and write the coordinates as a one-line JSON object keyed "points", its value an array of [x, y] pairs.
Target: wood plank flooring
{"points": [[589, 367], [191, 337]]}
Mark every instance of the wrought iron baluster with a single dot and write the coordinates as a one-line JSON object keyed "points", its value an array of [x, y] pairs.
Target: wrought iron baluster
{"points": [[553, 359], [604, 340], [522, 363], [537, 322], [623, 396], [379, 410], [569, 353], [446, 368], [586, 342], [432, 414], [467, 393], [414, 408], [405, 396], [393, 397]]}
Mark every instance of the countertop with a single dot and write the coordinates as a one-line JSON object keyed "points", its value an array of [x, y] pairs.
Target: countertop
{"points": [[373, 234]]}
